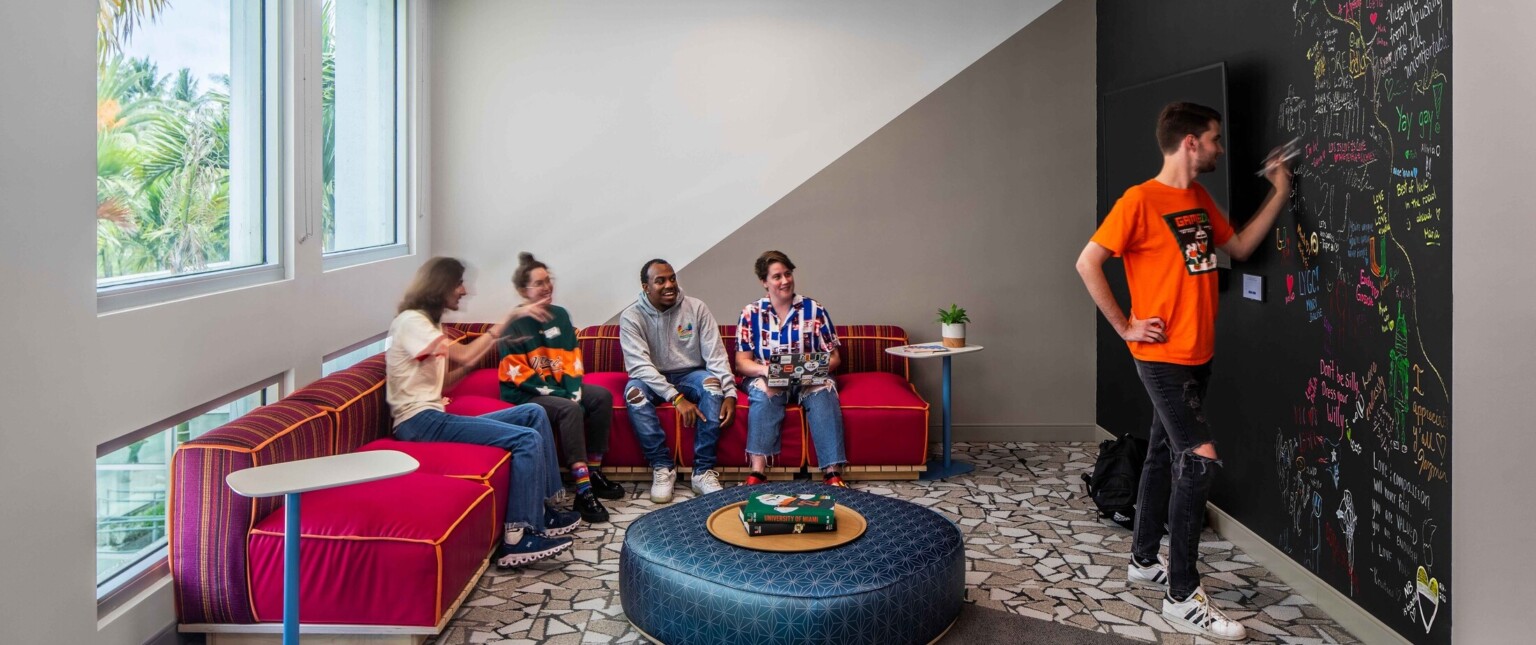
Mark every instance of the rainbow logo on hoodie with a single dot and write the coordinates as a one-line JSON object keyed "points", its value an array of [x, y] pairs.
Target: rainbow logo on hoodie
{"points": [[685, 332]]}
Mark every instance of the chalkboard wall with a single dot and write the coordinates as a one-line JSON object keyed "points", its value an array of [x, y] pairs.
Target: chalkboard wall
{"points": [[1331, 398]]}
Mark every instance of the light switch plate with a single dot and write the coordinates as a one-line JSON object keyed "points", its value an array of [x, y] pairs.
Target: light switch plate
{"points": [[1253, 287]]}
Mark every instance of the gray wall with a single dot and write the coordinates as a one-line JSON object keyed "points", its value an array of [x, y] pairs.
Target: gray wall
{"points": [[981, 194], [1492, 322]]}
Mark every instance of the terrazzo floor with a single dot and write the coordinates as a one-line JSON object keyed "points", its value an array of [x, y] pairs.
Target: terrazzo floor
{"points": [[1035, 548]]}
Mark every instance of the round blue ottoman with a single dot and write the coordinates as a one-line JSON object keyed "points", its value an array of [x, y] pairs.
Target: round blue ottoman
{"points": [[903, 581]]}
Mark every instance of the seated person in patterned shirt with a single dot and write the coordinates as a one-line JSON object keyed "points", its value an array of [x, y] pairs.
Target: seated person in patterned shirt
{"points": [[541, 363], [783, 322]]}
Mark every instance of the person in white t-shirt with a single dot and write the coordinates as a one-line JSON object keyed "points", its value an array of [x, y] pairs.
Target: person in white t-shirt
{"points": [[418, 364]]}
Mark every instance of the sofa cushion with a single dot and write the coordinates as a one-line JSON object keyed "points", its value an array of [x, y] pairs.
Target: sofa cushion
{"points": [[391, 552], [355, 397], [474, 406], [486, 465], [209, 522], [465, 332], [481, 382], [732, 449], [885, 422], [623, 447]]}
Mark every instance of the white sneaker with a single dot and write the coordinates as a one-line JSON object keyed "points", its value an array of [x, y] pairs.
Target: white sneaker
{"points": [[1155, 575], [707, 482], [662, 480], [1198, 614]]}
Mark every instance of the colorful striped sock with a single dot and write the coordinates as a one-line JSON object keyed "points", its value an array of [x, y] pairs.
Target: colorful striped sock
{"points": [[583, 479], [595, 460]]}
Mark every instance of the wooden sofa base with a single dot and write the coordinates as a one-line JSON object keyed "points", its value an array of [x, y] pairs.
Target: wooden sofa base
{"points": [[778, 473], [216, 638], [272, 633]]}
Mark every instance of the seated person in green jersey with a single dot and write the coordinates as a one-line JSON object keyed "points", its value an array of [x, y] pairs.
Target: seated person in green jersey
{"points": [[541, 363]]}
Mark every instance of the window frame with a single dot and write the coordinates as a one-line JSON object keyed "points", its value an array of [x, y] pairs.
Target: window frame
{"points": [[117, 589], [132, 294], [381, 336], [403, 162]]}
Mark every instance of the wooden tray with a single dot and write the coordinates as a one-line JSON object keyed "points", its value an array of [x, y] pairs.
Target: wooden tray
{"points": [[725, 524]]}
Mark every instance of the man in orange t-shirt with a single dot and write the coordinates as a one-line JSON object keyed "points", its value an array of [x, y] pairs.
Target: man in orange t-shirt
{"points": [[1166, 231]]}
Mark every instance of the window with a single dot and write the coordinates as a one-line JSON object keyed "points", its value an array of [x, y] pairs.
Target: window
{"points": [[349, 357], [132, 478], [182, 144], [362, 146]]}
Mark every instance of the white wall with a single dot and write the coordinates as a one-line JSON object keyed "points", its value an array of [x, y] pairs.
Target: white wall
{"points": [[600, 135], [1494, 314], [74, 380]]}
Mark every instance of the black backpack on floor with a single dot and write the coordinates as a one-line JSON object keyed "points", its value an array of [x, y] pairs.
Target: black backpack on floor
{"points": [[1116, 477]]}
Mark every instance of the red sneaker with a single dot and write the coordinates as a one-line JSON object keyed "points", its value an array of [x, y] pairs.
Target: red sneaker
{"points": [[834, 479], [755, 479]]}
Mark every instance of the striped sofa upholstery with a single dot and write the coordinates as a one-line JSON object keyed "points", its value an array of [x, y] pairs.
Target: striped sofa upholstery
{"points": [[211, 526], [863, 348], [355, 399], [209, 522]]}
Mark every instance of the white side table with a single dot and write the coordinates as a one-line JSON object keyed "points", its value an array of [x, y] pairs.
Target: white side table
{"points": [[946, 468], [294, 477]]}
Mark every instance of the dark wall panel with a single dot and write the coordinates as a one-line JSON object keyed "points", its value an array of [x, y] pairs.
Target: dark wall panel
{"points": [[1331, 399]]}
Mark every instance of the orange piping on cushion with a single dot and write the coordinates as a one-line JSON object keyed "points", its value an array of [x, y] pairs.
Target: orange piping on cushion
{"points": [[345, 538], [352, 400], [437, 602], [170, 529], [251, 593], [492, 471], [892, 338], [243, 451], [287, 430], [456, 522], [882, 407], [925, 437]]}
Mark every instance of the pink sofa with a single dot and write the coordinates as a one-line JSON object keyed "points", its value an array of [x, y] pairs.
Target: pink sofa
{"points": [[399, 553], [885, 422]]}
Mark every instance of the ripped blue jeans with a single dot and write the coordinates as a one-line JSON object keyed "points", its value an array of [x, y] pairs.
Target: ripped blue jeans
{"points": [[1175, 482]]}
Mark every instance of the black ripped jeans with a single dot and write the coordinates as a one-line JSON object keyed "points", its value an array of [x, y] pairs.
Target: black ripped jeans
{"points": [[1175, 482]]}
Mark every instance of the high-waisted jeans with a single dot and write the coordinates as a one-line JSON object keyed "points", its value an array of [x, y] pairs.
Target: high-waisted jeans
{"points": [[521, 430], [1175, 482]]}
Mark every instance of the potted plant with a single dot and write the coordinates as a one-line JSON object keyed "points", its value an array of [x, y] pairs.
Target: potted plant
{"points": [[952, 323]]}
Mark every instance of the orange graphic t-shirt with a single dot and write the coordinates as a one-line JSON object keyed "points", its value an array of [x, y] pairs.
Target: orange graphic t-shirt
{"points": [[1167, 238]]}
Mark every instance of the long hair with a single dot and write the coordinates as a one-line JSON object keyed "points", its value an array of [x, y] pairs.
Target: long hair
{"points": [[525, 265], [430, 288]]}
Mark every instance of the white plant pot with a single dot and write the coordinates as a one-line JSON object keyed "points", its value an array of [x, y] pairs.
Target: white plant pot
{"points": [[953, 335]]}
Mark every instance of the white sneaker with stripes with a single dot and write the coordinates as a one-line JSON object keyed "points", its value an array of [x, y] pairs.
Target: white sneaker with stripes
{"points": [[1155, 575], [1197, 613]]}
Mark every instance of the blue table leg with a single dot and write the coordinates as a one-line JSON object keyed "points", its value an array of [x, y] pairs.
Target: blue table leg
{"points": [[291, 569], [946, 468]]}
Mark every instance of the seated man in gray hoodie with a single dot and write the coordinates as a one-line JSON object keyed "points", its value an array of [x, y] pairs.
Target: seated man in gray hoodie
{"points": [[673, 353]]}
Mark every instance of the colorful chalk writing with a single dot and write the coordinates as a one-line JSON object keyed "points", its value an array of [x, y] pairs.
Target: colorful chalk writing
{"points": [[1369, 429]]}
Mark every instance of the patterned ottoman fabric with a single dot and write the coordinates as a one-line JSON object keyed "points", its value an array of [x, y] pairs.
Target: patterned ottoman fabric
{"points": [[901, 582]]}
